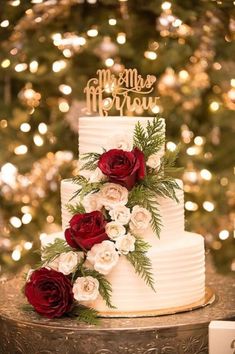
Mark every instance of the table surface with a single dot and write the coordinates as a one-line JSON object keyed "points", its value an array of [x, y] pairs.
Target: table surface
{"points": [[12, 301]]}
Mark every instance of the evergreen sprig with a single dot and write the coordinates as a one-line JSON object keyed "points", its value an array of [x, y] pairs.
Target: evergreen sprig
{"points": [[168, 162], [78, 208], [85, 314], [141, 262], [145, 197], [105, 288], [150, 140], [85, 187], [91, 161], [53, 250]]}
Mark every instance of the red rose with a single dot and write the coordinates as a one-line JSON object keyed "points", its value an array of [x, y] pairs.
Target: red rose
{"points": [[86, 230], [49, 292], [123, 167]]}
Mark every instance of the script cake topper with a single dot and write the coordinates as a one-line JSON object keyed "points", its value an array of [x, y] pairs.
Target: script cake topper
{"points": [[108, 91]]}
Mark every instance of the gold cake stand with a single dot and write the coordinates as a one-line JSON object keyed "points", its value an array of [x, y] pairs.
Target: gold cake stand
{"points": [[177, 333]]}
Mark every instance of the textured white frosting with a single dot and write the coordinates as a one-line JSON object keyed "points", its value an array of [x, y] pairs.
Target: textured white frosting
{"points": [[178, 268], [94, 132], [178, 257]]}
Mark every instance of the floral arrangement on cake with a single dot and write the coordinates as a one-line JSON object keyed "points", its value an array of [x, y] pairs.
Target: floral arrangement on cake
{"points": [[115, 205]]}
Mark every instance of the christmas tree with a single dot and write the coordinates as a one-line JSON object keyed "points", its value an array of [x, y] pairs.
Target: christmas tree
{"points": [[49, 49]]}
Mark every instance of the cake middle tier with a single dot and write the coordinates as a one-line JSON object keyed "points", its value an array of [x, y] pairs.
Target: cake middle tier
{"points": [[171, 212]]}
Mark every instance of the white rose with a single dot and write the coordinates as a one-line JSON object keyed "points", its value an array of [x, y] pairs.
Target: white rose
{"points": [[54, 264], [112, 195], [154, 161], [92, 202], [86, 289], [68, 261], [120, 141], [120, 214], [103, 256], [114, 229], [125, 244], [96, 176], [140, 218]]}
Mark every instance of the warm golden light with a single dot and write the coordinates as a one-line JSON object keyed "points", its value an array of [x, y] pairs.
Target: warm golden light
{"points": [[4, 23], [21, 150], [15, 222], [214, 106], [25, 127], [42, 128], [121, 38], [65, 89], [5, 63], [112, 21], [92, 32], [224, 234], [205, 174], [38, 140], [109, 62], [21, 67], [150, 55], [63, 106], [58, 65], [208, 206], [33, 66], [166, 5]]}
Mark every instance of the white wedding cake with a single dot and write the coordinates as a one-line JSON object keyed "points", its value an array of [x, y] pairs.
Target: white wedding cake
{"points": [[177, 256]]}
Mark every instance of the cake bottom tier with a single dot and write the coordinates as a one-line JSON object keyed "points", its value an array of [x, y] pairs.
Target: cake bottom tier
{"points": [[179, 272]]}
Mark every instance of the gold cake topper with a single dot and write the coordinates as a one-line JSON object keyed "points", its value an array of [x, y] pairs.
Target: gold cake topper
{"points": [[108, 91]]}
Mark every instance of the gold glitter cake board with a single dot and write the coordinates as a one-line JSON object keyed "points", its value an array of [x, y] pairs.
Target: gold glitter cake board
{"points": [[208, 299]]}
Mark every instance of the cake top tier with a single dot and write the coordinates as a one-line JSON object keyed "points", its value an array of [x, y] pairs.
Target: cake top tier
{"points": [[96, 133]]}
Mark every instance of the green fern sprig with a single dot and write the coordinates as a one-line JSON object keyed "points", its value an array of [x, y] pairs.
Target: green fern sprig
{"points": [[91, 161], [85, 187], [51, 251], [105, 288], [145, 197], [85, 314], [141, 262], [78, 208], [150, 140]]}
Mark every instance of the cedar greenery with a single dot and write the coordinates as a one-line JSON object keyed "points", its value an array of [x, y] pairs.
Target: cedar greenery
{"points": [[150, 140], [91, 161], [53, 250], [85, 314], [105, 288], [140, 195], [86, 187], [141, 262], [78, 208]]}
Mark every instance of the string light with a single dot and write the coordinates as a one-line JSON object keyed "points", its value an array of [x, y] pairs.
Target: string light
{"points": [[109, 62], [63, 105], [93, 32], [3, 123], [121, 38], [166, 5], [193, 150], [8, 174], [58, 65], [33, 66], [191, 176], [205, 174], [191, 206], [50, 219], [171, 146], [214, 106], [65, 89], [42, 128], [26, 218], [38, 140], [67, 53], [150, 55], [28, 245], [5, 63], [208, 206], [112, 21], [232, 82], [16, 255], [224, 234], [198, 140], [15, 222], [25, 127], [183, 75], [155, 109], [21, 67], [21, 150], [15, 3], [4, 23], [177, 23]]}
